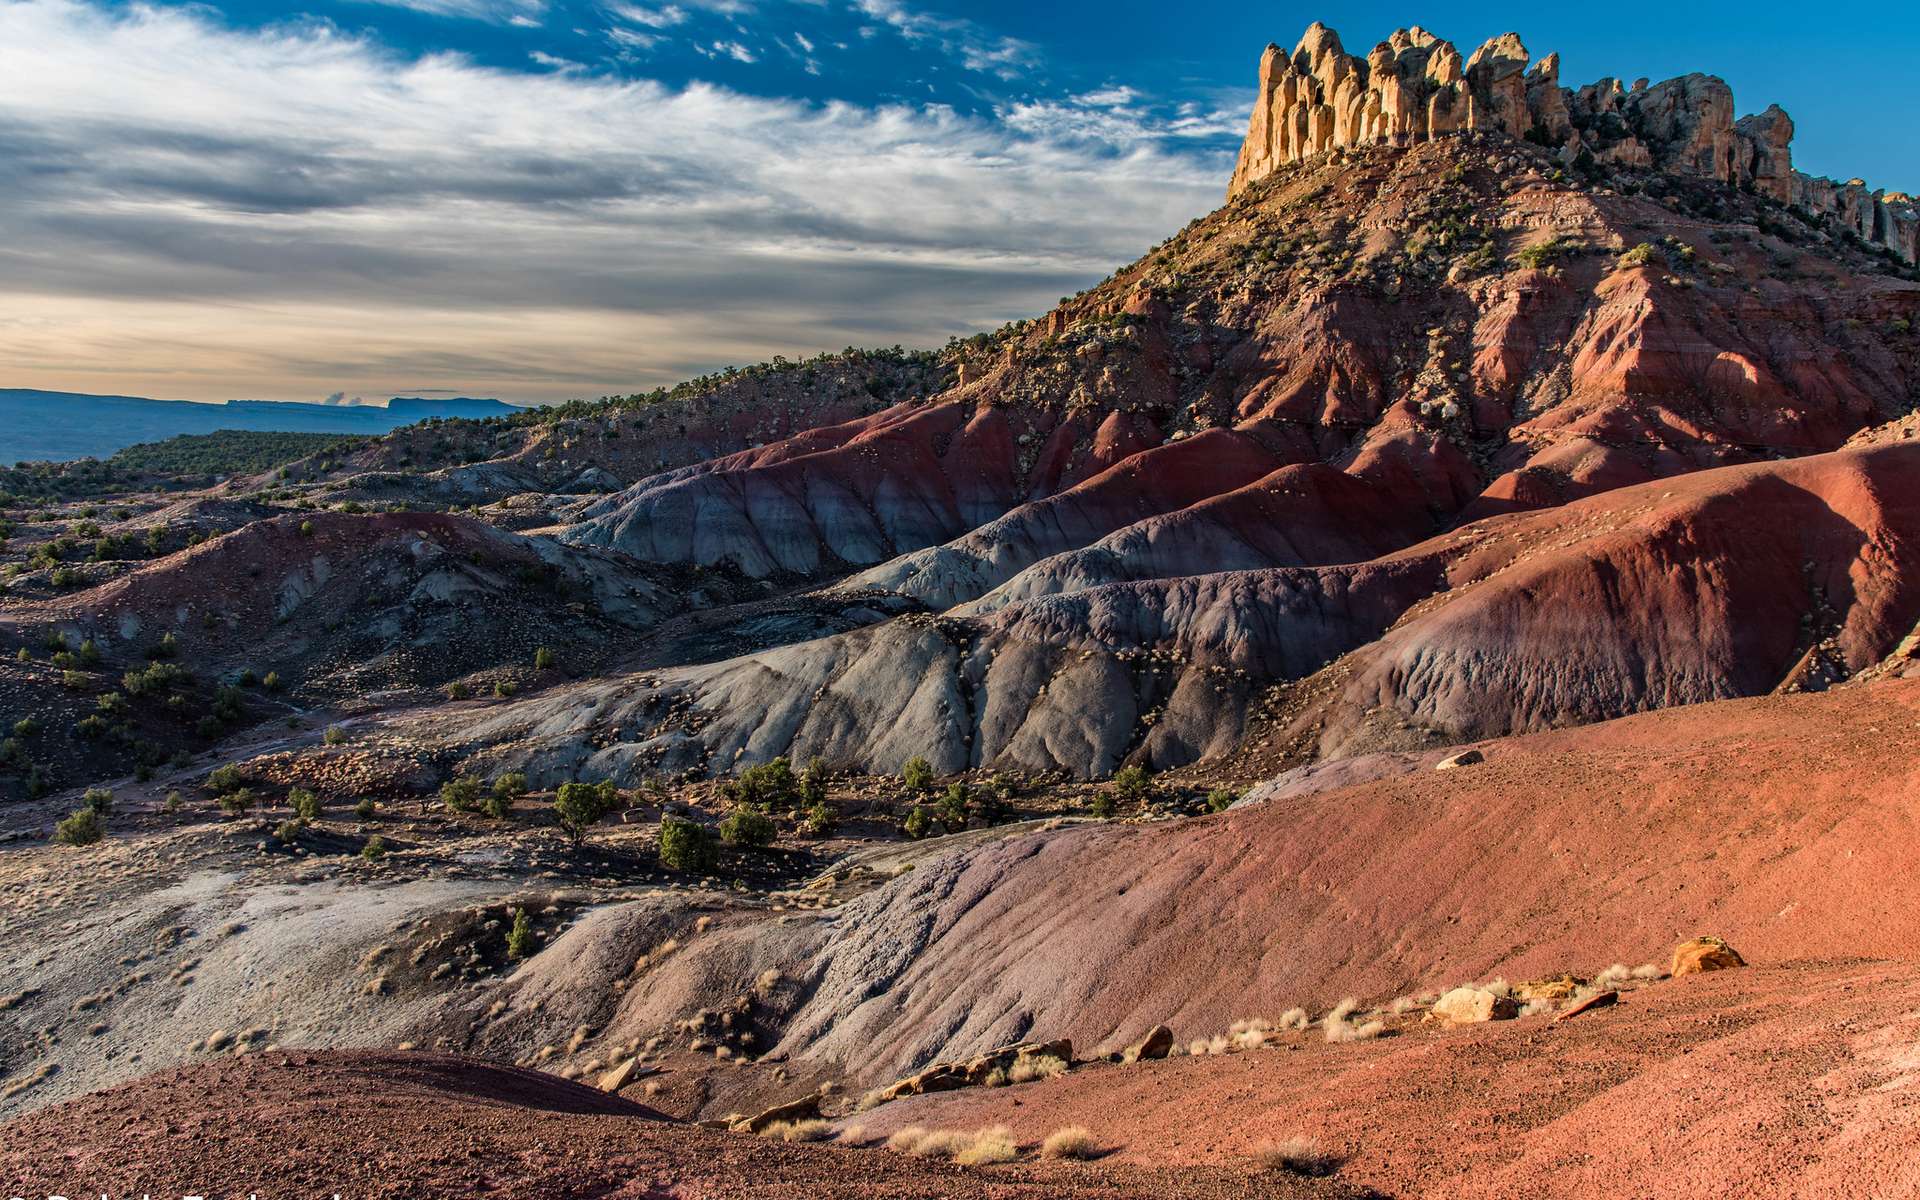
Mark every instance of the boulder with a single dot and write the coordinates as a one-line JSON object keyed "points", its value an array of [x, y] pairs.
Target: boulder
{"points": [[1704, 953], [1466, 758], [1157, 1044], [1469, 1005], [1549, 989], [805, 1108], [621, 1075]]}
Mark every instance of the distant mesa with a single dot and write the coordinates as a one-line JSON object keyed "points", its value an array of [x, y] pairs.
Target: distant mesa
{"points": [[37, 426], [1415, 87]]}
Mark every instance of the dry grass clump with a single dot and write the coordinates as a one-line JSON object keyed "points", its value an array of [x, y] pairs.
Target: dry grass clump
{"points": [[1339, 1027], [798, 1131], [1295, 1019], [853, 1135], [1250, 1034], [1029, 1067], [1297, 1156], [980, 1147], [1075, 1141]]}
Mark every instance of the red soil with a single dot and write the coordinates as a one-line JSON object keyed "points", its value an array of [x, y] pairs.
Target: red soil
{"points": [[287, 1124]]}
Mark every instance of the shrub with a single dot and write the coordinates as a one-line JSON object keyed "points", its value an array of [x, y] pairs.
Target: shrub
{"points": [[306, 805], [1030, 1067], [1642, 255], [953, 807], [168, 646], [238, 802], [334, 736], [26, 727], [685, 845], [271, 682], [813, 783], [543, 659], [224, 779], [175, 802], [1075, 1141], [520, 937], [769, 785], [461, 795], [1102, 806], [1221, 799], [100, 800], [579, 805], [458, 691], [748, 825], [1133, 783], [822, 819], [1297, 1156], [499, 805], [365, 809], [505, 688], [915, 826], [376, 848], [917, 774], [306, 529], [799, 1131], [289, 830], [65, 577], [83, 828]]}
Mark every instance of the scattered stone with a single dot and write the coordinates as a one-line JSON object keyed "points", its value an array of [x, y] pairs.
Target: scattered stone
{"points": [[1469, 1005], [1157, 1044], [1704, 953], [1466, 758], [806, 1108]]}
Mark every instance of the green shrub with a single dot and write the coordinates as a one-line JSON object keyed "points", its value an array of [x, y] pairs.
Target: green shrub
{"points": [[175, 802], [686, 845], [748, 825], [579, 805], [461, 795], [917, 774], [543, 659], [953, 807], [306, 805], [334, 736], [1645, 254], [915, 826], [224, 779], [505, 689], [1102, 806], [520, 937], [769, 785], [822, 819], [100, 800], [376, 848], [458, 691], [26, 727], [83, 828], [289, 830], [1132, 783], [365, 809], [1221, 799], [271, 682], [237, 803]]}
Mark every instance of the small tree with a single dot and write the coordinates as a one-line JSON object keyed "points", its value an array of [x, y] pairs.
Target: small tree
{"points": [[520, 937], [578, 806], [100, 800], [917, 774], [686, 845], [83, 828], [953, 807], [306, 805], [1102, 806], [748, 825], [223, 779], [461, 795], [237, 803], [1133, 783], [822, 819], [769, 785], [916, 823]]}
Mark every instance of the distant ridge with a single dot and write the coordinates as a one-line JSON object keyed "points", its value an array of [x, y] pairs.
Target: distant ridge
{"points": [[37, 426]]}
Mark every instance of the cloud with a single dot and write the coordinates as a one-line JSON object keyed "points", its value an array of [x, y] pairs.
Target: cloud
{"points": [[664, 17], [201, 211], [976, 49], [525, 13]]}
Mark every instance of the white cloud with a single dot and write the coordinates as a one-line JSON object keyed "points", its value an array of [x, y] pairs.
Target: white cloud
{"points": [[976, 48], [664, 17], [294, 211], [526, 13], [735, 51]]}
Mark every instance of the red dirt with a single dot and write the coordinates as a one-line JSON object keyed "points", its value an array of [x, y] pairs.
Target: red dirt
{"points": [[286, 1124], [1776, 1081]]}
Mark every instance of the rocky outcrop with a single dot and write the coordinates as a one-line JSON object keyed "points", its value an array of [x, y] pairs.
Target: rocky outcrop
{"points": [[1706, 953], [1414, 87], [1470, 1005]]}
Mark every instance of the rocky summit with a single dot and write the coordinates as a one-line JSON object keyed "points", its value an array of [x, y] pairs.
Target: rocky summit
{"points": [[1407, 688], [1415, 87]]}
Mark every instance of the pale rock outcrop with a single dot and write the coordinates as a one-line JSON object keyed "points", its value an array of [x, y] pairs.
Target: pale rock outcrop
{"points": [[1705, 953], [1470, 1005], [1414, 87]]}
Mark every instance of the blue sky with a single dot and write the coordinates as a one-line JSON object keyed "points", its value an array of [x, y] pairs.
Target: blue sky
{"points": [[546, 198]]}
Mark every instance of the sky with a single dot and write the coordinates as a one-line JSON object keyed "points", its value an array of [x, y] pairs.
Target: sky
{"points": [[544, 199]]}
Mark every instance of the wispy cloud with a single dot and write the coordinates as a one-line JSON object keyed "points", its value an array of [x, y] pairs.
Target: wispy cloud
{"points": [[501, 12], [296, 211], [976, 48]]}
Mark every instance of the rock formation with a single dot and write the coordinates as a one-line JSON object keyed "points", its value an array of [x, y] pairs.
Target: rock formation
{"points": [[1415, 87]]}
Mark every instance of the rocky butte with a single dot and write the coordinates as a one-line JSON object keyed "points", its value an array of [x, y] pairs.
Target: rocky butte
{"points": [[1415, 87]]}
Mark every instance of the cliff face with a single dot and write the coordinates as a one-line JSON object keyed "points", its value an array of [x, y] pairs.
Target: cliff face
{"points": [[1414, 87]]}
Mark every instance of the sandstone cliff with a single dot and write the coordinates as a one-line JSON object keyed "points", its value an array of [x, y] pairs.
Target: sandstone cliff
{"points": [[1414, 87]]}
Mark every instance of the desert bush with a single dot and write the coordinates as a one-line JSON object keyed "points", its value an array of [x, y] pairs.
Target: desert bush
{"points": [[1642, 255], [579, 805], [82, 827], [461, 794], [747, 825], [916, 824], [953, 807], [1340, 1028], [520, 942], [224, 779], [1221, 799], [917, 775], [271, 682], [770, 785], [458, 691], [799, 1131], [375, 849], [1075, 1141], [1297, 1156], [1103, 806], [334, 736], [686, 845], [1132, 783], [505, 689], [237, 803], [365, 809], [289, 830], [822, 819], [306, 805], [1028, 1068], [100, 800], [174, 803]]}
